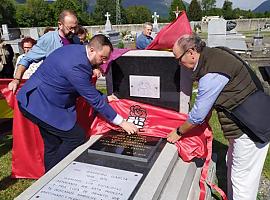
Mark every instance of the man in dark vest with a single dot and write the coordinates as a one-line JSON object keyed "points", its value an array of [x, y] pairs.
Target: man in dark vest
{"points": [[226, 83]]}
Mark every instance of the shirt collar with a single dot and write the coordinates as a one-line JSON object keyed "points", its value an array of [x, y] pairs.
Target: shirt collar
{"points": [[196, 65], [88, 56]]}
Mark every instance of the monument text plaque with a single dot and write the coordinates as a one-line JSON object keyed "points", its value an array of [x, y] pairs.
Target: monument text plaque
{"points": [[79, 181], [121, 145]]}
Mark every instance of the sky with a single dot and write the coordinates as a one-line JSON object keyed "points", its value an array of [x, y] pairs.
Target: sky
{"points": [[242, 4]]}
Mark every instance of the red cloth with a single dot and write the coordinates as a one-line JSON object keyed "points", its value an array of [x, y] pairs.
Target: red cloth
{"points": [[159, 122], [28, 149], [168, 35], [114, 55]]}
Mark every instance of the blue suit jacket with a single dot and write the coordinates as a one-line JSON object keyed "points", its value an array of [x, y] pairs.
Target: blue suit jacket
{"points": [[50, 93]]}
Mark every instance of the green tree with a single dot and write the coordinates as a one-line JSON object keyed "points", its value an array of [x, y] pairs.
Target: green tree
{"points": [[208, 4], [138, 14], [227, 10], [176, 3], [103, 6], [78, 6], [7, 13], [34, 13], [194, 11]]}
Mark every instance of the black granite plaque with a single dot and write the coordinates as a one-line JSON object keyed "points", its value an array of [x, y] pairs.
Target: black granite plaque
{"points": [[166, 68], [122, 145]]}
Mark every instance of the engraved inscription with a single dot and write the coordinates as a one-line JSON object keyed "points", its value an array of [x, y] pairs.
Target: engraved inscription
{"points": [[81, 181]]}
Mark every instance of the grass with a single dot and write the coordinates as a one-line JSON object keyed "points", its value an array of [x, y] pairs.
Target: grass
{"points": [[10, 188]]}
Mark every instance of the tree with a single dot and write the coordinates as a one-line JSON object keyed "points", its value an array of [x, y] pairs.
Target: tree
{"points": [[208, 4], [8, 12], [176, 3], [34, 13], [78, 6], [103, 6], [227, 10], [195, 11], [138, 14]]}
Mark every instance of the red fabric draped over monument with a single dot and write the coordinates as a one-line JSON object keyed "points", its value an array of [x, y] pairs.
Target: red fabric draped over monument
{"points": [[168, 35], [27, 151]]}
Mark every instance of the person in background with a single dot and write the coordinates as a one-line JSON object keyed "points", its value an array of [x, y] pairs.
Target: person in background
{"points": [[48, 98], [144, 39], [48, 29], [6, 60], [27, 43], [81, 32], [46, 44], [226, 84]]}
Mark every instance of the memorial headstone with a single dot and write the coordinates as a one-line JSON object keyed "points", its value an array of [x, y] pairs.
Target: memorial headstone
{"points": [[5, 34], [114, 36], [258, 41], [176, 12], [222, 33], [108, 25], [155, 24], [119, 166]]}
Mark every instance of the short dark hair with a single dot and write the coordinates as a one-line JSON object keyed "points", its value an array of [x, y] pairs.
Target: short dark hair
{"points": [[98, 41], [28, 39], [64, 13], [81, 30]]}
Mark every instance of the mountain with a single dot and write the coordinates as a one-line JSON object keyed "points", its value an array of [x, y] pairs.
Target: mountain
{"points": [[159, 6], [265, 6]]}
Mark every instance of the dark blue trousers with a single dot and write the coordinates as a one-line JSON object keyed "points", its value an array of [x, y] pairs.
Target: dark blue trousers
{"points": [[57, 143]]}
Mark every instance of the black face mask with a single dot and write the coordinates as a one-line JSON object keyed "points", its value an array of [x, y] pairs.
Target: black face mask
{"points": [[70, 36]]}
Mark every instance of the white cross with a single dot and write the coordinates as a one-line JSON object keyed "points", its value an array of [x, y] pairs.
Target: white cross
{"points": [[107, 15], [155, 16], [176, 12]]}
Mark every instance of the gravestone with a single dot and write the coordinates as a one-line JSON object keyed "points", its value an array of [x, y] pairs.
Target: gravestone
{"points": [[222, 33], [114, 36], [5, 34], [108, 25], [119, 166], [176, 12], [155, 24]]}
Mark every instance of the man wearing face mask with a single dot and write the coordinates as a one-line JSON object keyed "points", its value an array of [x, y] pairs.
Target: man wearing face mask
{"points": [[64, 35]]}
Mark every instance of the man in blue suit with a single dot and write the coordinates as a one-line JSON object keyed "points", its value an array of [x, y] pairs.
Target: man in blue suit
{"points": [[48, 98]]}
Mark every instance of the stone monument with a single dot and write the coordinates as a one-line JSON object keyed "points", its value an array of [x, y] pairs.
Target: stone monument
{"points": [[176, 12], [222, 33], [120, 166], [258, 41], [155, 24], [114, 36]]}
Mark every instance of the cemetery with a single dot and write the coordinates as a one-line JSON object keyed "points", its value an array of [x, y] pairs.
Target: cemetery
{"points": [[115, 165]]}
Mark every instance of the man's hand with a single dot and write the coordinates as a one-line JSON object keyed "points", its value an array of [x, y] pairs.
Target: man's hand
{"points": [[13, 85], [112, 97], [97, 73], [129, 127], [173, 137]]}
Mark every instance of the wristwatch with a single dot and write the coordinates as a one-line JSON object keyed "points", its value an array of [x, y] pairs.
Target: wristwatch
{"points": [[178, 132]]}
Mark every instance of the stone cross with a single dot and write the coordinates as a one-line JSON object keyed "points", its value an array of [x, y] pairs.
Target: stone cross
{"points": [[107, 15], [108, 25], [155, 25], [176, 12], [155, 16]]}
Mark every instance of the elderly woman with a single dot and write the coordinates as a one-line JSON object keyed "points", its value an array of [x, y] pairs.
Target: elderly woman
{"points": [[27, 43]]}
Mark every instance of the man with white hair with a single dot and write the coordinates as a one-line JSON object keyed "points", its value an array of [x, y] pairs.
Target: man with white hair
{"points": [[144, 39]]}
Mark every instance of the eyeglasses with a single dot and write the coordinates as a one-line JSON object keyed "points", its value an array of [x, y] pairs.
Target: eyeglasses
{"points": [[71, 28], [180, 58]]}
